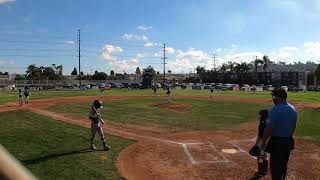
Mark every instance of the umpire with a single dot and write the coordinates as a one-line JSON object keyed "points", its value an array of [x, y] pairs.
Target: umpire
{"points": [[278, 134]]}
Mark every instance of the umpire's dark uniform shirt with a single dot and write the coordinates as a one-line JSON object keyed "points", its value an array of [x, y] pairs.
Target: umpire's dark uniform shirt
{"points": [[283, 119]]}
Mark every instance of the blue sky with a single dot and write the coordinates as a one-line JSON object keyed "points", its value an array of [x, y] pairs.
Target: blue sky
{"points": [[123, 34]]}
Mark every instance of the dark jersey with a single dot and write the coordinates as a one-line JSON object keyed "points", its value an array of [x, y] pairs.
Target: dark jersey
{"points": [[211, 90], [261, 128], [94, 116], [26, 93], [168, 92]]}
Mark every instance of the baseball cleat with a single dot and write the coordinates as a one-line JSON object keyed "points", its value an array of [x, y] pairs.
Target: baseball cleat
{"points": [[93, 147], [106, 147]]}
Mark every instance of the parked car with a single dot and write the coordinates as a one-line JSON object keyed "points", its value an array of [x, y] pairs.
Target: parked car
{"points": [[318, 88], [226, 87], [312, 88], [105, 87], [207, 86], [301, 88], [218, 86], [268, 88], [157, 85], [246, 87]]}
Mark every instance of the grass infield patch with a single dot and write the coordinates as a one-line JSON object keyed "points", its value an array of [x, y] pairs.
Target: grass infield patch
{"points": [[198, 115], [56, 150]]}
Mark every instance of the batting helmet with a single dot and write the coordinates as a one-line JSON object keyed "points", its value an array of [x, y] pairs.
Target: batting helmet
{"points": [[97, 104]]}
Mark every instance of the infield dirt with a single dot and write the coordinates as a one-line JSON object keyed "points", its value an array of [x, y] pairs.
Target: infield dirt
{"points": [[187, 155]]}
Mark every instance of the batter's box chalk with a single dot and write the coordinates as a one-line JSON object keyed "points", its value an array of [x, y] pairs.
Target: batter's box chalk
{"points": [[199, 153]]}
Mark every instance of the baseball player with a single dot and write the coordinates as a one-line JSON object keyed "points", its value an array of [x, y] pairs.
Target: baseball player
{"points": [[211, 92], [26, 95], [154, 90], [20, 97], [255, 150], [169, 95], [96, 124]]}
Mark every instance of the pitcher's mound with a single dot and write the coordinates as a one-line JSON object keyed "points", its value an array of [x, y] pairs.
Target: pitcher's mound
{"points": [[176, 107]]}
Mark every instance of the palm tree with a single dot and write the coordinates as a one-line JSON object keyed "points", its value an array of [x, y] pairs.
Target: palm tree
{"points": [[266, 61], [256, 64]]}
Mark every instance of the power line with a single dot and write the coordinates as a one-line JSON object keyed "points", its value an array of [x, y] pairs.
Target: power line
{"points": [[33, 42], [45, 50], [27, 55]]}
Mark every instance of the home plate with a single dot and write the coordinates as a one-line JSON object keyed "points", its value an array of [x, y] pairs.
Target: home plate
{"points": [[229, 151]]}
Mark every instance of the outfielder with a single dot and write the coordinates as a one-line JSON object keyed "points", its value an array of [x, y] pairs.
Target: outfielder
{"points": [[96, 124]]}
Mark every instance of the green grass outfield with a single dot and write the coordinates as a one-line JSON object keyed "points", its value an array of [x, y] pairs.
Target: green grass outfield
{"points": [[202, 115], [309, 124], [56, 150], [9, 96]]}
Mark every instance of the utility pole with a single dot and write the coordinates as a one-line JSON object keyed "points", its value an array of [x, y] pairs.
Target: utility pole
{"points": [[164, 63], [79, 56], [214, 56]]}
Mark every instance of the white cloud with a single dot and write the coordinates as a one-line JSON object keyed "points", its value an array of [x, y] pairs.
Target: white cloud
{"points": [[139, 55], [27, 19], [170, 50], [127, 66], [311, 50], [6, 1], [151, 44], [109, 50], [132, 37], [7, 62], [69, 42], [242, 57], [186, 61], [144, 28], [218, 50]]}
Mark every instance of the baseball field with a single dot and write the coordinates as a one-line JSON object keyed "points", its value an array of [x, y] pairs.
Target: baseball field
{"points": [[194, 137]]}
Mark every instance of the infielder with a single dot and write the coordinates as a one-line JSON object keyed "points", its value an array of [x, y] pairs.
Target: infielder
{"points": [[20, 97], [26, 95], [154, 90], [96, 125], [169, 95], [211, 92]]}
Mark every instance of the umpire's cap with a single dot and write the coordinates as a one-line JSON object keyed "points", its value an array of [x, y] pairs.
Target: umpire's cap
{"points": [[279, 92]]}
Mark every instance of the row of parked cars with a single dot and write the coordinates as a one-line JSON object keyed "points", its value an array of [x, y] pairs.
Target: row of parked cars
{"points": [[228, 86]]}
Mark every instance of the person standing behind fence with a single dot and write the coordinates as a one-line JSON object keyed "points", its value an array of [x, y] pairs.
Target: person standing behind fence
{"points": [[278, 134], [26, 95]]}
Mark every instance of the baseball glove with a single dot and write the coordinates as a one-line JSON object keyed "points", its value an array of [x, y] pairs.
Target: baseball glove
{"points": [[254, 151]]}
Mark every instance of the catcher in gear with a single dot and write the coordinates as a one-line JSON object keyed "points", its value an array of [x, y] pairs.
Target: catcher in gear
{"points": [[255, 150], [96, 124]]}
